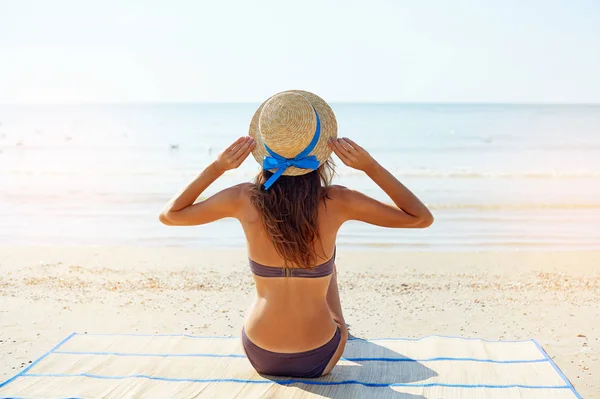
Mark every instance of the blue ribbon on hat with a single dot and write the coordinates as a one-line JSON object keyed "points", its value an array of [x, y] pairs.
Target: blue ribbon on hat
{"points": [[302, 160]]}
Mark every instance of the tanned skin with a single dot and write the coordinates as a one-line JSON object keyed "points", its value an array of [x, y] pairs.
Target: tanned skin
{"points": [[302, 311]]}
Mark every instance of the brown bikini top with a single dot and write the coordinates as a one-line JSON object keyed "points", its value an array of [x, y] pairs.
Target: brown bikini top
{"points": [[322, 270]]}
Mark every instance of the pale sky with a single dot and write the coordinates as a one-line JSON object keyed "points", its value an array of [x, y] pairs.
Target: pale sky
{"points": [[62, 51]]}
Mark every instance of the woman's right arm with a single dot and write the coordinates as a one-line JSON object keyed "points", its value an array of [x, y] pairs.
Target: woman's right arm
{"points": [[182, 210], [409, 210]]}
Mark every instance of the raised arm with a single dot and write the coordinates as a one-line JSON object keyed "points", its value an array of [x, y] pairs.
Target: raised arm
{"points": [[409, 210], [181, 209]]}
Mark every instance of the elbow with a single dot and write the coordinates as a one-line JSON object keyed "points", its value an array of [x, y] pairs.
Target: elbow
{"points": [[164, 219], [423, 221], [414, 222]]}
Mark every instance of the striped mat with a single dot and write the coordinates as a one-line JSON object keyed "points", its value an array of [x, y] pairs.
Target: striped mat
{"points": [[186, 366]]}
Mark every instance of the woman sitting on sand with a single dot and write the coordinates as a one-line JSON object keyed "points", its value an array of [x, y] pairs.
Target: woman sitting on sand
{"points": [[291, 216]]}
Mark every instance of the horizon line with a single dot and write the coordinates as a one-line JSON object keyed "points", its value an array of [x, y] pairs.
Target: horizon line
{"points": [[499, 103]]}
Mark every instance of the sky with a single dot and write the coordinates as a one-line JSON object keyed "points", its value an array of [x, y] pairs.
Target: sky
{"points": [[524, 51]]}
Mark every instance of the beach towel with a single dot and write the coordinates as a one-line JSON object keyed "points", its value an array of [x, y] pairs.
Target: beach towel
{"points": [[186, 366]]}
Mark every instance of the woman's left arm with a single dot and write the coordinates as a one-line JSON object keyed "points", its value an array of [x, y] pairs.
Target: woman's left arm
{"points": [[181, 210]]}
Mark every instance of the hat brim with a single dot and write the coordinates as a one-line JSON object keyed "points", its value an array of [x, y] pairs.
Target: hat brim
{"points": [[328, 130]]}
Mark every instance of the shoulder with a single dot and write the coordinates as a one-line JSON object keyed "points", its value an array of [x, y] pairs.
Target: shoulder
{"points": [[247, 212], [244, 188], [339, 199], [347, 203], [335, 191], [340, 194], [242, 191], [235, 196], [238, 190]]}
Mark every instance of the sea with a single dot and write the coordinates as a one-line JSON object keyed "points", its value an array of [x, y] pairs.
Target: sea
{"points": [[500, 177]]}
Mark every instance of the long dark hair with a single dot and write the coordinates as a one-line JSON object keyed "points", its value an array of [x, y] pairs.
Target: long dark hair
{"points": [[289, 211]]}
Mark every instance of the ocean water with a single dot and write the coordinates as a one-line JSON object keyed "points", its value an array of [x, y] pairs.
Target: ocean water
{"points": [[499, 177]]}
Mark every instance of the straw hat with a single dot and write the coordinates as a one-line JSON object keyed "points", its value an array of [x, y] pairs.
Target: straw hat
{"points": [[286, 122]]}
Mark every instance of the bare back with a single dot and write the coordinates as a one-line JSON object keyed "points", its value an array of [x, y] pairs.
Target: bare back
{"points": [[292, 315], [289, 309]]}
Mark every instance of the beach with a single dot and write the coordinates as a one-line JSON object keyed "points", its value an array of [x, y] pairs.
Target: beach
{"points": [[48, 292], [513, 253]]}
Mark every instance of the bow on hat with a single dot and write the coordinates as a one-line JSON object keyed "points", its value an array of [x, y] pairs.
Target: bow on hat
{"points": [[302, 160]]}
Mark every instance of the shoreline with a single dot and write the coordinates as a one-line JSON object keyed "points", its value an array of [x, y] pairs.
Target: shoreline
{"points": [[46, 293], [408, 248]]}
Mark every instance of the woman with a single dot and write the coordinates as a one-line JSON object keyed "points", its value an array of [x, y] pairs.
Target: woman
{"points": [[290, 216]]}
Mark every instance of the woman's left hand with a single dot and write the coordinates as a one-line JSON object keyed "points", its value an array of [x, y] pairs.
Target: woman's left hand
{"points": [[235, 154], [351, 154]]}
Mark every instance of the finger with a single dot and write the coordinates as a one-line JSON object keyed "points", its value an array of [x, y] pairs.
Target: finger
{"points": [[240, 160], [352, 152], [233, 147], [345, 145], [337, 148], [350, 155], [347, 152], [244, 152], [340, 152], [353, 144], [334, 147], [242, 148], [338, 144], [239, 150]]}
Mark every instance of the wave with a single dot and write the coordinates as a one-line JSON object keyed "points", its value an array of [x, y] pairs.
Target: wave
{"points": [[472, 143], [156, 199], [515, 207], [440, 245], [460, 174], [249, 174]]}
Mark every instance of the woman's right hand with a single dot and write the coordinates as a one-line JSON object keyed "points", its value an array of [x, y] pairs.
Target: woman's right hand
{"points": [[351, 154], [235, 154]]}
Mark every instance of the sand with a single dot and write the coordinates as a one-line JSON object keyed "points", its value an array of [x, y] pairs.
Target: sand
{"points": [[47, 293]]}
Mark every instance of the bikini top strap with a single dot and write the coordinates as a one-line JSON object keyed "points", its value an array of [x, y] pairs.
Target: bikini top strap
{"points": [[322, 270]]}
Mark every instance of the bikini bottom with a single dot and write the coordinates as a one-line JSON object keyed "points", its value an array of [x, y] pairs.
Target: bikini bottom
{"points": [[309, 364]]}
